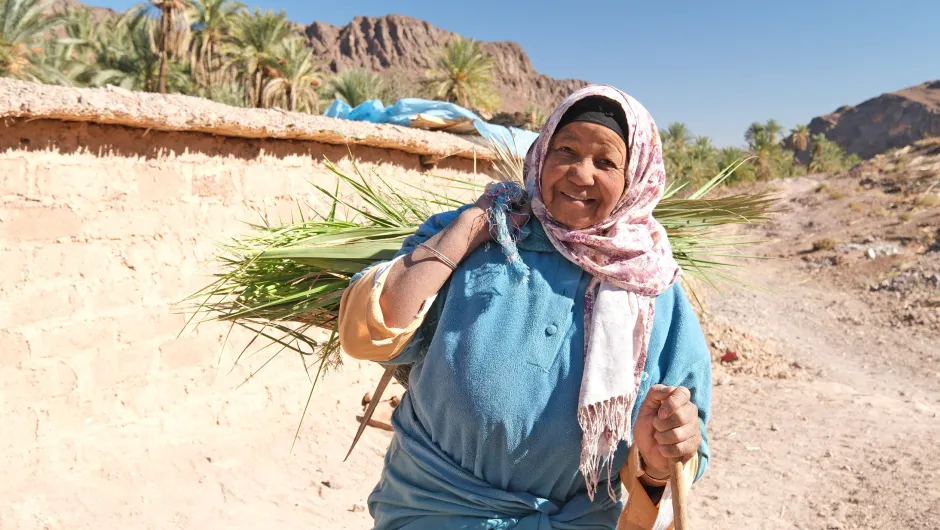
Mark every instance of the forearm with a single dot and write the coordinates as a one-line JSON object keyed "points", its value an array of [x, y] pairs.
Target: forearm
{"points": [[421, 274]]}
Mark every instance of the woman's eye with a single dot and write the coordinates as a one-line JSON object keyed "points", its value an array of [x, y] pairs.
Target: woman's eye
{"points": [[606, 162]]}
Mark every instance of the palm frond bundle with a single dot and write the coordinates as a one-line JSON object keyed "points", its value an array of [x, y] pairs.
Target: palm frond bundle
{"points": [[280, 282]]}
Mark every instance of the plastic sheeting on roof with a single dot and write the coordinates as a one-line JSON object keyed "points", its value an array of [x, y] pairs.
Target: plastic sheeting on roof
{"points": [[433, 115]]}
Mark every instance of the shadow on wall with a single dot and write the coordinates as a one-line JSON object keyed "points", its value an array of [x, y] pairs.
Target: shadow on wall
{"points": [[118, 140]]}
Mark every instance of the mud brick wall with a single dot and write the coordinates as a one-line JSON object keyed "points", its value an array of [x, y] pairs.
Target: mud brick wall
{"points": [[102, 229]]}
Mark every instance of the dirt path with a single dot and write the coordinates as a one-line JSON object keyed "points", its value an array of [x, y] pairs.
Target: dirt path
{"points": [[851, 444]]}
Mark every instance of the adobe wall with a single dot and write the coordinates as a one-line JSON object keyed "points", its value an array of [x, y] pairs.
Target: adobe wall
{"points": [[102, 228]]}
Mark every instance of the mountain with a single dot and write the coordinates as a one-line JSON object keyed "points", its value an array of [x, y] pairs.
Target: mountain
{"points": [[891, 120], [403, 48], [59, 6]]}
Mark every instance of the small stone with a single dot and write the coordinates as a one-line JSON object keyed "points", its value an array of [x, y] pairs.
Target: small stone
{"points": [[871, 253], [366, 399], [327, 483], [358, 507], [828, 453], [395, 401], [833, 524], [773, 427]]}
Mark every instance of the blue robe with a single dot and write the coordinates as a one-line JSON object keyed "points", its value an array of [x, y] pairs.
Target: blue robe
{"points": [[487, 437]]}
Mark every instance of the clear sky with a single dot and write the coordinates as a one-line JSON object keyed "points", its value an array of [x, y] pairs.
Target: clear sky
{"points": [[716, 65]]}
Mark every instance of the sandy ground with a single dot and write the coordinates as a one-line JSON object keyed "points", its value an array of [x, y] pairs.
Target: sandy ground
{"points": [[837, 427]]}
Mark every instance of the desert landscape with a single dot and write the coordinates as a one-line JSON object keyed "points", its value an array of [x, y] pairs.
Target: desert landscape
{"points": [[116, 414]]}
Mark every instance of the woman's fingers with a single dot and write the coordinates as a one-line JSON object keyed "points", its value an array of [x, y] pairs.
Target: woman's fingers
{"points": [[683, 450], [655, 397], [687, 414], [678, 397], [677, 435]]}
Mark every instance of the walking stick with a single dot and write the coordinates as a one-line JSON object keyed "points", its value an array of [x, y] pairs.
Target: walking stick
{"points": [[680, 511]]}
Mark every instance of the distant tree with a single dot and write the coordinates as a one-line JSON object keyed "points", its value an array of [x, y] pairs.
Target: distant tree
{"points": [[212, 22], [396, 87], [744, 169], [774, 130], [172, 37], [356, 86], [535, 118], [676, 135], [227, 92], [127, 55], [828, 157], [799, 138], [252, 49], [463, 74], [23, 28], [295, 87], [760, 142]]}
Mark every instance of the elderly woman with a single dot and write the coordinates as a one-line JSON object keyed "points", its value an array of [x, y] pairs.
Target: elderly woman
{"points": [[556, 400]]}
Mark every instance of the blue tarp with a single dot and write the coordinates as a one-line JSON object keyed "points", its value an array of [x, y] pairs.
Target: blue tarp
{"points": [[404, 110]]}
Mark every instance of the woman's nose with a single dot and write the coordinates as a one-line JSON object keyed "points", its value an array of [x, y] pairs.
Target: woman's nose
{"points": [[582, 173]]}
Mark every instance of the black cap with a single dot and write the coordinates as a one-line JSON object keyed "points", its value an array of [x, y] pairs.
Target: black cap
{"points": [[599, 110]]}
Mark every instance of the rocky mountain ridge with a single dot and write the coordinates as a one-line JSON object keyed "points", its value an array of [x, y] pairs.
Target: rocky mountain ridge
{"points": [[404, 47], [889, 121]]}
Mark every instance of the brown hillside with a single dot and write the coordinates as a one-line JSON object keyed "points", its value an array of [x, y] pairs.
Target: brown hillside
{"points": [[405, 46], [889, 121]]}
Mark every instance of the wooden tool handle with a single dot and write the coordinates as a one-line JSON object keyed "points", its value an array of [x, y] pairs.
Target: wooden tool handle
{"points": [[679, 505]]}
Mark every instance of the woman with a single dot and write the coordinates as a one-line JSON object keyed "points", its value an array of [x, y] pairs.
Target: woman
{"points": [[553, 401]]}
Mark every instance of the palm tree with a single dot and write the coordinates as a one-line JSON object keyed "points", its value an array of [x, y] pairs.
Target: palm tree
{"points": [[169, 9], [703, 153], [126, 55], [463, 74], [252, 49], [760, 142], [730, 156], [676, 135], [535, 118], [299, 76], [828, 156], [799, 138], [229, 93], [212, 22], [356, 86], [23, 26], [774, 129], [172, 39], [80, 27]]}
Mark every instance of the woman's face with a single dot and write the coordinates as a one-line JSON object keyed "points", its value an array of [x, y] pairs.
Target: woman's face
{"points": [[583, 174]]}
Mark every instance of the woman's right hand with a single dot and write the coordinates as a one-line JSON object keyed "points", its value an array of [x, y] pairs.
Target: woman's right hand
{"points": [[475, 218]]}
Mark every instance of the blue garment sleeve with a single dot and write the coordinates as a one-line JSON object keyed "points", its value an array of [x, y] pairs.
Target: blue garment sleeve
{"points": [[685, 360]]}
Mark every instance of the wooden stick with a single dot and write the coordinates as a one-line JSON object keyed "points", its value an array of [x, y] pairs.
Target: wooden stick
{"points": [[680, 511], [376, 397]]}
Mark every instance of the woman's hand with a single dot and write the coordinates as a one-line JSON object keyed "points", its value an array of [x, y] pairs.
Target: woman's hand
{"points": [[476, 217], [667, 426]]}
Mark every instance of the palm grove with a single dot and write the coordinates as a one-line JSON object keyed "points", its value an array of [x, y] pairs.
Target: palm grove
{"points": [[221, 50]]}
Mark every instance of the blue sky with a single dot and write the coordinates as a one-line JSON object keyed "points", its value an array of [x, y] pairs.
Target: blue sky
{"points": [[717, 66]]}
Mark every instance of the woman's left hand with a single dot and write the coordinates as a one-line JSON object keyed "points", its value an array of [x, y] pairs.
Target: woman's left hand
{"points": [[667, 427]]}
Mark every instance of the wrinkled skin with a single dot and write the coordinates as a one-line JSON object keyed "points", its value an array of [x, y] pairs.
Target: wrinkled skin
{"points": [[583, 174]]}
